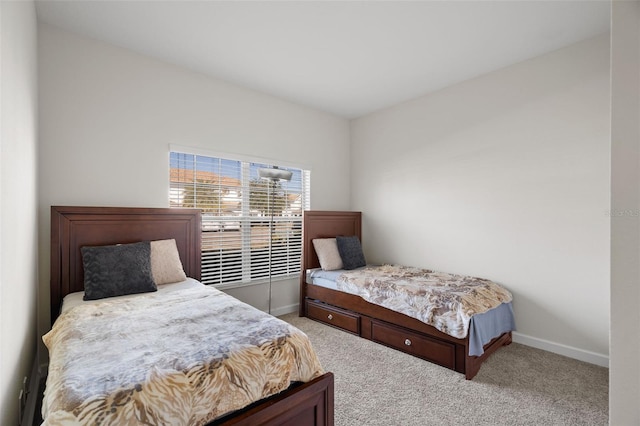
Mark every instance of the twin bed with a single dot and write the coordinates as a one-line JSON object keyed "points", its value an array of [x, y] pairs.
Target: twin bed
{"points": [[184, 353], [181, 353], [358, 302]]}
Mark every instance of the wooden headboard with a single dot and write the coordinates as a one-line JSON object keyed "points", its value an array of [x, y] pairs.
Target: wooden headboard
{"points": [[75, 227], [324, 224]]}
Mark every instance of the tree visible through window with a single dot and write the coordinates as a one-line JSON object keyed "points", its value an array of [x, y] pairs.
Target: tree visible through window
{"points": [[236, 213]]}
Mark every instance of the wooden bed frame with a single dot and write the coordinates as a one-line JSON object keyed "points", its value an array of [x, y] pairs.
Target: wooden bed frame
{"points": [[355, 315], [73, 227]]}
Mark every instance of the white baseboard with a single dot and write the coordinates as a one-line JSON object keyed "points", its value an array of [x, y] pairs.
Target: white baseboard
{"points": [[285, 310], [558, 348]]}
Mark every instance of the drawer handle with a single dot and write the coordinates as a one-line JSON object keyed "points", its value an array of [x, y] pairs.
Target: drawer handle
{"points": [[330, 316], [407, 342]]}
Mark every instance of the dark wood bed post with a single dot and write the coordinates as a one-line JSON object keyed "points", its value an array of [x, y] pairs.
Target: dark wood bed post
{"points": [[323, 224]]}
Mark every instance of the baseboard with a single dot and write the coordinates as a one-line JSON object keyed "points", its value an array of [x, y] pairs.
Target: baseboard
{"points": [[32, 396], [560, 349], [285, 310]]}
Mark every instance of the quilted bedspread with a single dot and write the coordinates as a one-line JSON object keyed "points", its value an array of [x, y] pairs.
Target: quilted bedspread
{"points": [[444, 301], [183, 358]]}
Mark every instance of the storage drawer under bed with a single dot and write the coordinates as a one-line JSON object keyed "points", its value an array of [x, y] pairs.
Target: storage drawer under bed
{"points": [[336, 317], [437, 351]]}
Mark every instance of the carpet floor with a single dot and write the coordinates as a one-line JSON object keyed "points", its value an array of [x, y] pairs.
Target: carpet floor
{"points": [[518, 385]]}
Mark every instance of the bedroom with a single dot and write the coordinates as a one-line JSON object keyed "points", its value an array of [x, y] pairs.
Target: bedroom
{"points": [[527, 199]]}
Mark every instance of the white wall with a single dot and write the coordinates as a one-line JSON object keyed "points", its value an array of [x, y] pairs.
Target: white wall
{"points": [[108, 115], [18, 224], [504, 177], [624, 375]]}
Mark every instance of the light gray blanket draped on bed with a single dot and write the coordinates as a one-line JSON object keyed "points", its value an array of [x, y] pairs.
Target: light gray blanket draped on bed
{"points": [[179, 358]]}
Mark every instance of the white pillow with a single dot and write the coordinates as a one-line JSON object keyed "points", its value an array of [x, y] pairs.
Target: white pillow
{"points": [[328, 254], [166, 266]]}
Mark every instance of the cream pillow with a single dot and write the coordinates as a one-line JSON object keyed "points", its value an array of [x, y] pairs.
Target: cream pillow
{"points": [[328, 254], [166, 266]]}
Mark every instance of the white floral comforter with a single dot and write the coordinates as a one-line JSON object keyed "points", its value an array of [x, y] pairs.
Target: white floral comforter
{"points": [[444, 301]]}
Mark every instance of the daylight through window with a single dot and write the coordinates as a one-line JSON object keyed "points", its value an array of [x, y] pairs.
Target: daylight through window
{"points": [[235, 205]]}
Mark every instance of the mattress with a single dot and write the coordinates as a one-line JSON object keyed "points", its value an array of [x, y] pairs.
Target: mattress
{"points": [[184, 355], [328, 279], [481, 328]]}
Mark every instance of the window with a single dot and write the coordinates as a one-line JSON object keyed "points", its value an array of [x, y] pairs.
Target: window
{"points": [[235, 204]]}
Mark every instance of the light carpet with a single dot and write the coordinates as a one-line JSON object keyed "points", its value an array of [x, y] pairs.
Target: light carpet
{"points": [[518, 385]]}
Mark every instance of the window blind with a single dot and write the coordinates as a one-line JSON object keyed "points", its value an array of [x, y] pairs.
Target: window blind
{"points": [[237, 208]]}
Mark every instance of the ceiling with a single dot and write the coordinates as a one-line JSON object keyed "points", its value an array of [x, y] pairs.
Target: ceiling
{"points": [[348, 58]]}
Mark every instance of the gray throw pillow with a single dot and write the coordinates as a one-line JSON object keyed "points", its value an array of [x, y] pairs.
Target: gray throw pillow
{"points": [[117, 270], [351, 252]]}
